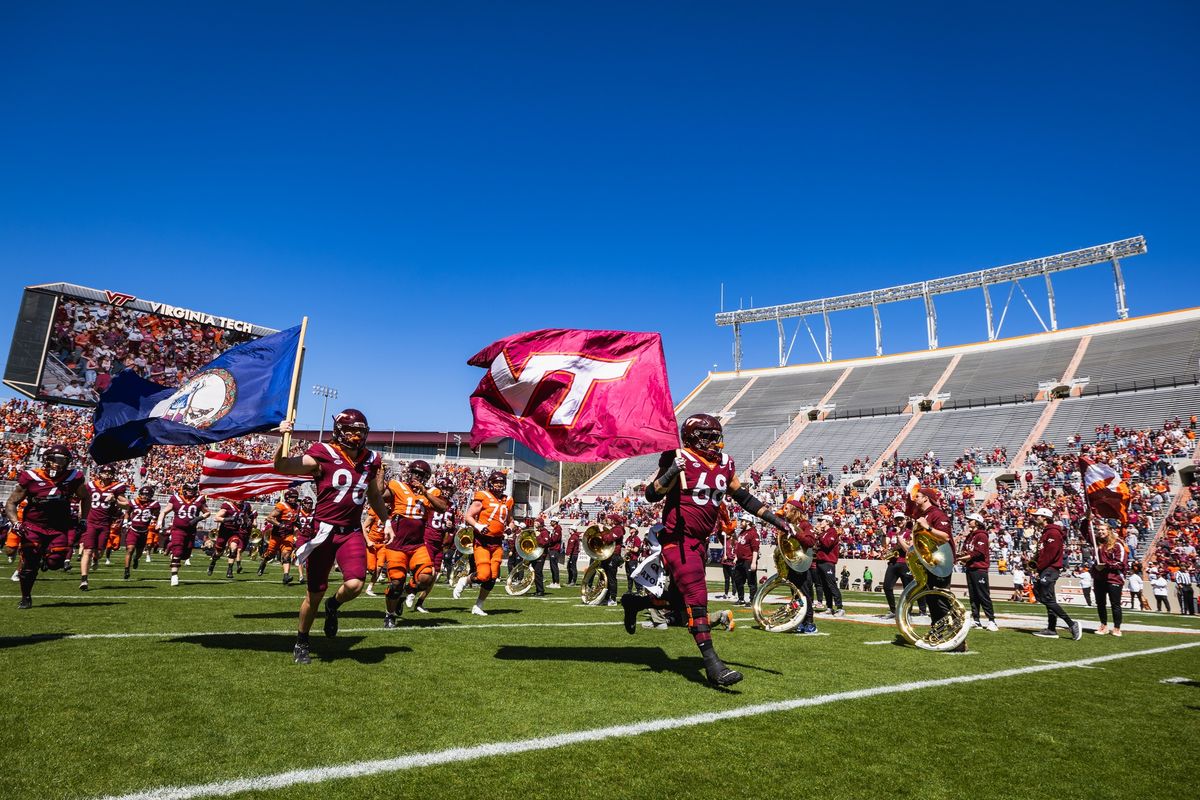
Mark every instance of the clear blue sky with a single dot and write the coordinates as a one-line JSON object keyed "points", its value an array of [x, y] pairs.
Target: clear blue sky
{"points": [[423, 179]]}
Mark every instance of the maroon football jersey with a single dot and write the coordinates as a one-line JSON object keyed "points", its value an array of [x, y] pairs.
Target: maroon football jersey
{"points": [[342, 484], [233, 520], [692, 511], [141, 516], [104, 502], [49, 502], [186, 514]]}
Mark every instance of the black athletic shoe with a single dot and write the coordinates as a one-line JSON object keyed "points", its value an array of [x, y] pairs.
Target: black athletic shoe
{"points": [[389, 621], [24, 604], [136, 561], [632, 606], [721, 675], [300, 654], [287, 579], [210, 568], [229, 573], [239, 569], [127, 573], [331, 619], [83, 586], [262, 568]]}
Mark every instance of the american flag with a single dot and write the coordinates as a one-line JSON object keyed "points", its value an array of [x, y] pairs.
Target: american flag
{"points": [[237, 478]]}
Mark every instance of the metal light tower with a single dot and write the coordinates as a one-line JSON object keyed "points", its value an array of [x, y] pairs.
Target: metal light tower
{"points": [[327, 393]]}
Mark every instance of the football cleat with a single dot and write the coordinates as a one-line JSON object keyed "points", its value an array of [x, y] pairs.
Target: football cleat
{"points": [[410, 601], [458, 587], [479, 612], [25, 603], [371, 590], [422, 609], [127, 573], [83, 585], [239, 568], [287, 579], [331, 619], [300, 654], [719, 674], [210, 568], [174, 580], [389, 621], [16, 576]]}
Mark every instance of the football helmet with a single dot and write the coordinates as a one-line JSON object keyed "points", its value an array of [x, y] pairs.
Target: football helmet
{"points": [[189, 490], [106, 472], [419, 472], [702, 433], [446, 487], [306, 503], [146, 494], [291, 496], [350, 429], [497, 482], [57, 460]]}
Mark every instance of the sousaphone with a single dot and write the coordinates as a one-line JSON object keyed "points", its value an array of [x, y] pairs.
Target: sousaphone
{"points": [[464, 543], [779, 606], [520, 579], [929, 557], [595, 582]]}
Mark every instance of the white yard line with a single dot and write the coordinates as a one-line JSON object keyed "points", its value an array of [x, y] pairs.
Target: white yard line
{"points": [[470, 626], [455, 755]]}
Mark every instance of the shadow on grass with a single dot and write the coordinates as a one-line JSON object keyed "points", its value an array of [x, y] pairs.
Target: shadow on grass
{"points": [[119, 587], [76, 603], [652, 658], [323, 649], [8, 642]]}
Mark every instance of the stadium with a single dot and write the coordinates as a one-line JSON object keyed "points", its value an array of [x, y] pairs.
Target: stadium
{"points": [[270, 528]]}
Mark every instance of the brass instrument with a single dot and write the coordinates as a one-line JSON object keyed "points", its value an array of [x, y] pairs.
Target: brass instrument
{"points": [[521, 578], [464, 541], [929, 557], [595, 582], [791, 607], [793, 555]]}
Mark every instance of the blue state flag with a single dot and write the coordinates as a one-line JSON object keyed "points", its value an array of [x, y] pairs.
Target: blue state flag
{"points": [[243, 390]]}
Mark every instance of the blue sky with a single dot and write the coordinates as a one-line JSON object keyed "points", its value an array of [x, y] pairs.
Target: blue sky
{"points": [[423, 179]]}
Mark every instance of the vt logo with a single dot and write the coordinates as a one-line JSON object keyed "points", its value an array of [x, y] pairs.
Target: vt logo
{"points": [[519, 385], [118, 298]]}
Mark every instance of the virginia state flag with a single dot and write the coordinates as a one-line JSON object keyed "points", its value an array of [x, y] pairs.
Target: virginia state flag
{"points": [[1106, 493], [576, 395], [243, 390]]}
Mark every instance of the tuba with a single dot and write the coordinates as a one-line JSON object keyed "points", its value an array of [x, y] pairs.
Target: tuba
{"points": [[927, 557], [792, 606], [520, 579], [464, 543], [595, 582]]}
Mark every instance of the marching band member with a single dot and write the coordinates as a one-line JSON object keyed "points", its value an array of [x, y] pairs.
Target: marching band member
{"points": [[1049, 564], [573, 557], [793, 513], [693, 481], [975, 557], [829, 537], [1111, 563], [929, 517], [614, 535], [632, 555], [553, 549], [897, 542]]}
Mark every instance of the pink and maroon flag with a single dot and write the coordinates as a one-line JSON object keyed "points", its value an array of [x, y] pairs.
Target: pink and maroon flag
{"points": [[237, 478], [1107, 494], [574, 395]]}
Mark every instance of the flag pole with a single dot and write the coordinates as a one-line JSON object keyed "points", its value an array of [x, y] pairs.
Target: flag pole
{"points": [[295, 390]]}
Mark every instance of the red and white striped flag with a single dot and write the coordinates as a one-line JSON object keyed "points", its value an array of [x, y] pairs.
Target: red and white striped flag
{"points": [[238, 478]]}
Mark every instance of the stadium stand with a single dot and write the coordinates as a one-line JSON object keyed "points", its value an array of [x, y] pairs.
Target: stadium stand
{"points": [[1008, 375]]}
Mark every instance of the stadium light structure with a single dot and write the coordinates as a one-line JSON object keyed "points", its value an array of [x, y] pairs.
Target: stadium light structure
{"points": [[926, 290], [328, 393]]}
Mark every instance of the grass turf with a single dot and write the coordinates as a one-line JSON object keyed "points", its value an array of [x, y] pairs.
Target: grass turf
{"points": [[106, 716]]}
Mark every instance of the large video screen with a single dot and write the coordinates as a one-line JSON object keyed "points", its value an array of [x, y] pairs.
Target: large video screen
{"points": [[91, 336]]}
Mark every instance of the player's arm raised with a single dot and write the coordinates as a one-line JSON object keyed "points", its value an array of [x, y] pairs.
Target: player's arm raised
{"points": [[670, 464], [293, 465]]}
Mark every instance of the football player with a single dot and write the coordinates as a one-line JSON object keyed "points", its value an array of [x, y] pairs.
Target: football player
{"points": [[47, 519], [141, 515], [232, 520], [439, 529], [373, 530], [282, 522], [693, 481], [346, 475], [490, 514], [108, 503], [405, 554], [187, 508]]}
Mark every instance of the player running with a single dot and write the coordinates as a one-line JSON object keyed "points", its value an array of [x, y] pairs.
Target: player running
{"points": [[282, 524], [693, 481], [439, 528], [405, 553], [490, 514], [46, 522], [346, 475], [140, 517], [231, 519], [187, 508], [108, 503]]}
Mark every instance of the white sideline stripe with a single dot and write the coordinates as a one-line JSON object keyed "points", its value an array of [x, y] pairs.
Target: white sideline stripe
{"points": [[882, 641], [1176, 680], [58, 637], [360, 769]]}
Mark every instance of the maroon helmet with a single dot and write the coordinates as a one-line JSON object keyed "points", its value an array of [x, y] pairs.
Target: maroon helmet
{"points": [[146, 493], [446, 487], [350, 429], [291, 496], [419, 472], [702, 433], [57, 460], [107, 472], [189, 490], [497, 482], [306, 503]]}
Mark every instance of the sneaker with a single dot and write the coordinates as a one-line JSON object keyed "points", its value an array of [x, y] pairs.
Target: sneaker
{"points": [[287, 579], [889, 615], [479, 612], [611, 603], [1076, 631], [127, 573], [24, 604], [721, 675], [1117, 632], [83, 585], [1103, 629], [211, 567], [725, 620], [331, 619], [458, 587], [1047, 633], [991, 626], [808, 629], [555, 586], [300, 654], [16, 576], [410, 601], [371, 590], [389, 621], [976, 623], [651, 624], [174, 580], [841, 612], [422, 609]]}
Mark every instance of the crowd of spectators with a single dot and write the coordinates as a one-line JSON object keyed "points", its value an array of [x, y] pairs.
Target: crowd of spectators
{"points": [[94, 341]]}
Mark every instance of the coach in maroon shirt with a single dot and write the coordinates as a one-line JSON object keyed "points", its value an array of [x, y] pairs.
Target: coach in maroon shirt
{"points": [[1049, 564], [745, 552]]}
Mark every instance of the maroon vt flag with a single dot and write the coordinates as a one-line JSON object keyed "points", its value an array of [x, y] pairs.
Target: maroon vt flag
{"points": [[574, 395]]}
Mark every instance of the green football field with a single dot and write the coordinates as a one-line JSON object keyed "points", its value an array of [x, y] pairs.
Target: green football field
{"points": [[137, 688]]}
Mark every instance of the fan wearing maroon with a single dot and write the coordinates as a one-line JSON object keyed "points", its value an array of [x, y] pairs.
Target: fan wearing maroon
{"points": [[346, 475], [186, 508], [108, 502], [142, 513], [693, 481], [47, 523]]}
